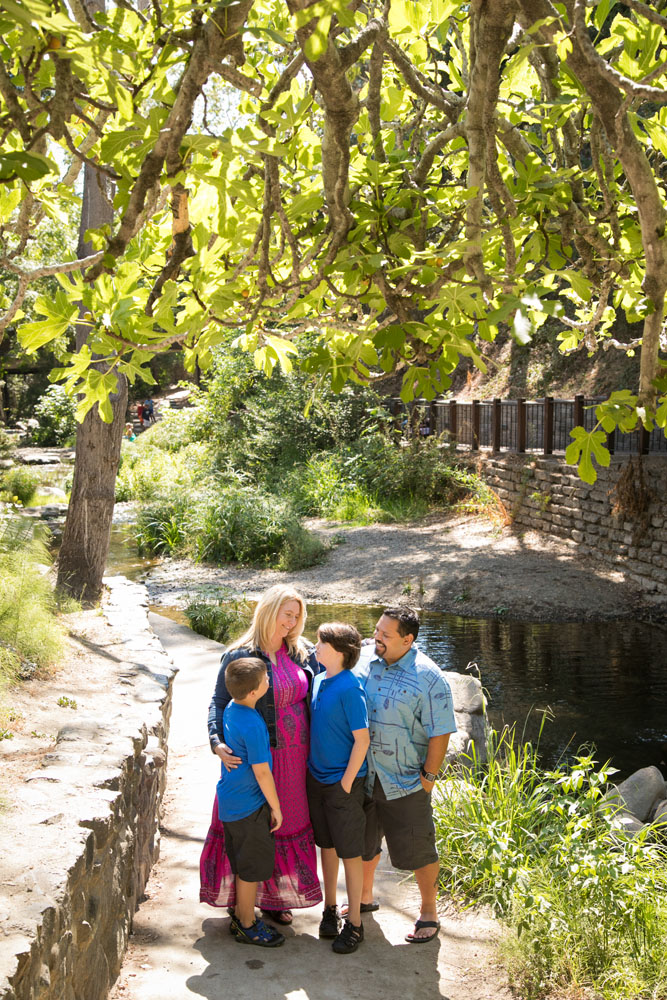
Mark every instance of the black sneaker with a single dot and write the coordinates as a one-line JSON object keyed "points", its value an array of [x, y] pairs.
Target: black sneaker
{"points": [[330, 922], [349, 939]]}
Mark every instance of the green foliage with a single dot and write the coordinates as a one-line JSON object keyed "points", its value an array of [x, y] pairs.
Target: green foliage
{"points": [[543, 850], [66, 702], [147, 470], [6, 443], [227, 522], [220, 618], [438, 246], [30, 637], [21, 484], [56, 414]]}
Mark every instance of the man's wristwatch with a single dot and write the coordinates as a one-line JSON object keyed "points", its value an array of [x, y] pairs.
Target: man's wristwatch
{"points": [[428, 775]]}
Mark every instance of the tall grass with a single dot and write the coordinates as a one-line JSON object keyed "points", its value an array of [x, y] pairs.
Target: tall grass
{"points": [[30, 637], [584, 903]]}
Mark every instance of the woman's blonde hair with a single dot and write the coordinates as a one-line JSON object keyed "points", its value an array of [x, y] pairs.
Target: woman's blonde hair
{"points": [[264, 620]]}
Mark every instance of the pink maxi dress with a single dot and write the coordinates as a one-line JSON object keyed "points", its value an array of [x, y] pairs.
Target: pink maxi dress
{"points": [[294, 883]]}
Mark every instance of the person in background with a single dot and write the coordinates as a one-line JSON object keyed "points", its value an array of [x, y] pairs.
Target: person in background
{"points": [[149, 411], [140, 414], [248, 804], [129, 434], [339, 741], [276, 637]]}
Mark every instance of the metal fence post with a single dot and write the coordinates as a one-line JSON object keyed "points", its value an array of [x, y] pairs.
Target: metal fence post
{"points": [[521, 425], [496, 418], [548, 425], [475, 425]]}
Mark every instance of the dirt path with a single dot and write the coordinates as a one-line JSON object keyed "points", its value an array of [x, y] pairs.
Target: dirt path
{"points": [[459, 564], [182, 948]]}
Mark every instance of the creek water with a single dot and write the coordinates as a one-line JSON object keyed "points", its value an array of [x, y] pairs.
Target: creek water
{"points": [[604, 684]]}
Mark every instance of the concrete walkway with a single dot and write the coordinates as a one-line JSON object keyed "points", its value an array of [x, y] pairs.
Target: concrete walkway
{"points": [[182, 949]]}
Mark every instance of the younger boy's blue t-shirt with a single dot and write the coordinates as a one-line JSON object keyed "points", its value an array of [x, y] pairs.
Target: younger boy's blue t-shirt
{"points": [[338, 707], [245, 733]]}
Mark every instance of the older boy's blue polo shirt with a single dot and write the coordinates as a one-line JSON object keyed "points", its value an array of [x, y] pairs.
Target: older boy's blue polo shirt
{"points": [[338, 707], [245, 732], [408, 702]]}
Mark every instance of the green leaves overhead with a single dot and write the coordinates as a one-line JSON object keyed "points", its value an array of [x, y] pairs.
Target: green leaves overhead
{"points": [[318, 183]]}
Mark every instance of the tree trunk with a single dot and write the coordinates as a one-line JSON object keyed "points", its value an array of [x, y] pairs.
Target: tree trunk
{"points": [[85, 544]]}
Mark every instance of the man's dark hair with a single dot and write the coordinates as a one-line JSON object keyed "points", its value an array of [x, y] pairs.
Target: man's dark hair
{"points": [[243, 676], [407, 619], [344, 639]]}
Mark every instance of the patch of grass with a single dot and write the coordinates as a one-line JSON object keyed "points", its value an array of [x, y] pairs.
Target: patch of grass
{"points": [[66, 702], [31, 639], [219, 618], [585, 905]]}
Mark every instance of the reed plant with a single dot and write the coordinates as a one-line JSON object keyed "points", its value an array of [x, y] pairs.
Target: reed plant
{"points": [[584, 904]]}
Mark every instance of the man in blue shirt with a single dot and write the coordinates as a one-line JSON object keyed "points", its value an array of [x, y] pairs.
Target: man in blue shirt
{"points": [[411, 717]]}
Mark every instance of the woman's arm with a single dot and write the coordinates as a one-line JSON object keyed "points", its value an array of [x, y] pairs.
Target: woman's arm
{"points": [[221, 698], [362, 741]]}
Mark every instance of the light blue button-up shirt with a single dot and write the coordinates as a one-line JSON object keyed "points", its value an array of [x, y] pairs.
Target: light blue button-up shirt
{"points": [[408, 702]]}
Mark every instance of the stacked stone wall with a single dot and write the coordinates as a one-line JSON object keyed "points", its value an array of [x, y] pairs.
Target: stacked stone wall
{"points": [[79, 862], [625, 528]]}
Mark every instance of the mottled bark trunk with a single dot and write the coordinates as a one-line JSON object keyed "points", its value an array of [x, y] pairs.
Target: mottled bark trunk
{"points": [[85, 544]]}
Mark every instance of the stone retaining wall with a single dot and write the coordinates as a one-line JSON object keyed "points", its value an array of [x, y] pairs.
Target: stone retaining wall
{"points": [[92, 826], [625, 528]]}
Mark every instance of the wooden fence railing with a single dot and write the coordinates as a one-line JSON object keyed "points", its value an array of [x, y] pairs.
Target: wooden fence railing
{"points": [[519, 425]]}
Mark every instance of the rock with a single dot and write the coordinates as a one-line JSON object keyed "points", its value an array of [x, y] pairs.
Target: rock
{"points": [[467, 693], [39, 458], [625, 822], [53, 491], [6, 463], [639, 793], [660, 812]]}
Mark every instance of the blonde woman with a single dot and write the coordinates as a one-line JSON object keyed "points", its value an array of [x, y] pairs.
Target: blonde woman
{"points": [[276, 636]]}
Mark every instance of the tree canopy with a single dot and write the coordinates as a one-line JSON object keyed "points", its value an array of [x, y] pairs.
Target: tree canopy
{"points": [[401, 180]]}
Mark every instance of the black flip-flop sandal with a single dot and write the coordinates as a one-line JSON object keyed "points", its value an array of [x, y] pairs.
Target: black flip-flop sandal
{"points": [[364, 908]]}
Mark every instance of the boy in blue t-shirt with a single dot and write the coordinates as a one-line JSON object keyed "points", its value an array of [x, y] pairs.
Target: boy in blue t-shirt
{"points": [[248, 804], [339, 741]]}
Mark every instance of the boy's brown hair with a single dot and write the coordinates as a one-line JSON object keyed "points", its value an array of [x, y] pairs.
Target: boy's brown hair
{"points": [[243, 676], [344, 639]]}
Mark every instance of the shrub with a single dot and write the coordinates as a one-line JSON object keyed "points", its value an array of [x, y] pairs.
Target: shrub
{"points": [[6, 443], [226, 522], [56, 414], [20, 483], [218, 618], [585, 903], [148, 472]]}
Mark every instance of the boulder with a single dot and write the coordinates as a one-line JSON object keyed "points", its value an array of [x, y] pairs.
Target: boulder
{"points": [[59, 496], [625, 823], [639, 793], [471, 724], [660, 812], [467, 693]]}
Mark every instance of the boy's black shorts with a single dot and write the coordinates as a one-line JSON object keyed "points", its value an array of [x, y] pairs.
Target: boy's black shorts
{"points": [[406, 823], [338, 818], [250, 845]]}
